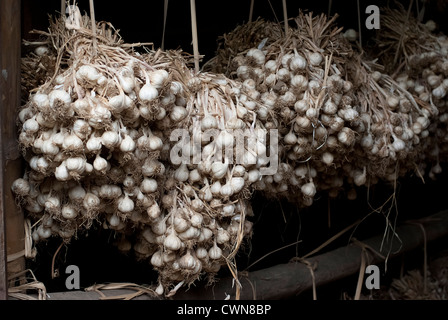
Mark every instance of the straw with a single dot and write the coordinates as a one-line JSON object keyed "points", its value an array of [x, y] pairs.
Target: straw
{"points": [[194, 32]]}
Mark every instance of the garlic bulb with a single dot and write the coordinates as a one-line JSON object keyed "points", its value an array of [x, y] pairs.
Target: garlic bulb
{"points": [[110, 191], [215, 252], [21, 187], [256, 55], [91, 202], [41, 101], [157, 259], [88, 73], [81, 107], [81, 128], [44, 232], [190, 234], [61, 172], [76, 193], [76, 164], [219, 169], [120, 102], [57, 97], [222, 236], [172, 242], [94, 143], [351, 34], [72, 143], [315, 58], [125, 204], [69, 212], [178, 113], [308, 189], [30, 126], [49, 148], [110, 139], [127, 144], [148, 93], [126, 79], [297, 63], [154, 212], [149, 185], [187, 261], [100, 164], [237, 184], [182, 173], [158, 78], [180, 224]]}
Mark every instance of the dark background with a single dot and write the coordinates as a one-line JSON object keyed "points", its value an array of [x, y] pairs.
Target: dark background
{"points": [[276, 223], [142, 21]]}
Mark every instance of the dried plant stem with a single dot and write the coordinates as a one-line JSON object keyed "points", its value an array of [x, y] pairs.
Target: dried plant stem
{"points": [[165, 14], [194, 32], [251, 10], [63, 6], [285, 17], [336, 236], [425, 255], [92, 17], [362, 269], [359, 25], [53, 275], [269, 253]]}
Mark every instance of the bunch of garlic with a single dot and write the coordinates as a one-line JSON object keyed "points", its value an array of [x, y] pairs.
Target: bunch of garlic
{"points": [[299, 87], [426, 79], [210, 172], [168, 158], [342, 124], [422, 57], [98, 138]]}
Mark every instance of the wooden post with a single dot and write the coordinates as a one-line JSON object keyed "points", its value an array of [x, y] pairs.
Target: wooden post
{"points": [[11, 217]]}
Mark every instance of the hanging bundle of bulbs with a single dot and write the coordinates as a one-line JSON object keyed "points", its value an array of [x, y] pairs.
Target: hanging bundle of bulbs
{"points": [[241, 39], [98, 138], [393, 129], [422, 59], [343, 121], [298, 84], [168, 158], [82, 131], [202, 221]]}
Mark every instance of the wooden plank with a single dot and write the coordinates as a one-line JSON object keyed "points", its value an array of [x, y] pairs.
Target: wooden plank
{"points": [[11, 218]]}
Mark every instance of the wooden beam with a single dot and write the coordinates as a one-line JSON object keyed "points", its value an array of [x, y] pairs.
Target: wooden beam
{"points": [[11, 218]]}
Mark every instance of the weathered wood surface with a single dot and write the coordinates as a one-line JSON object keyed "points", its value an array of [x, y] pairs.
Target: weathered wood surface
{"points": [[11, 218]]}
